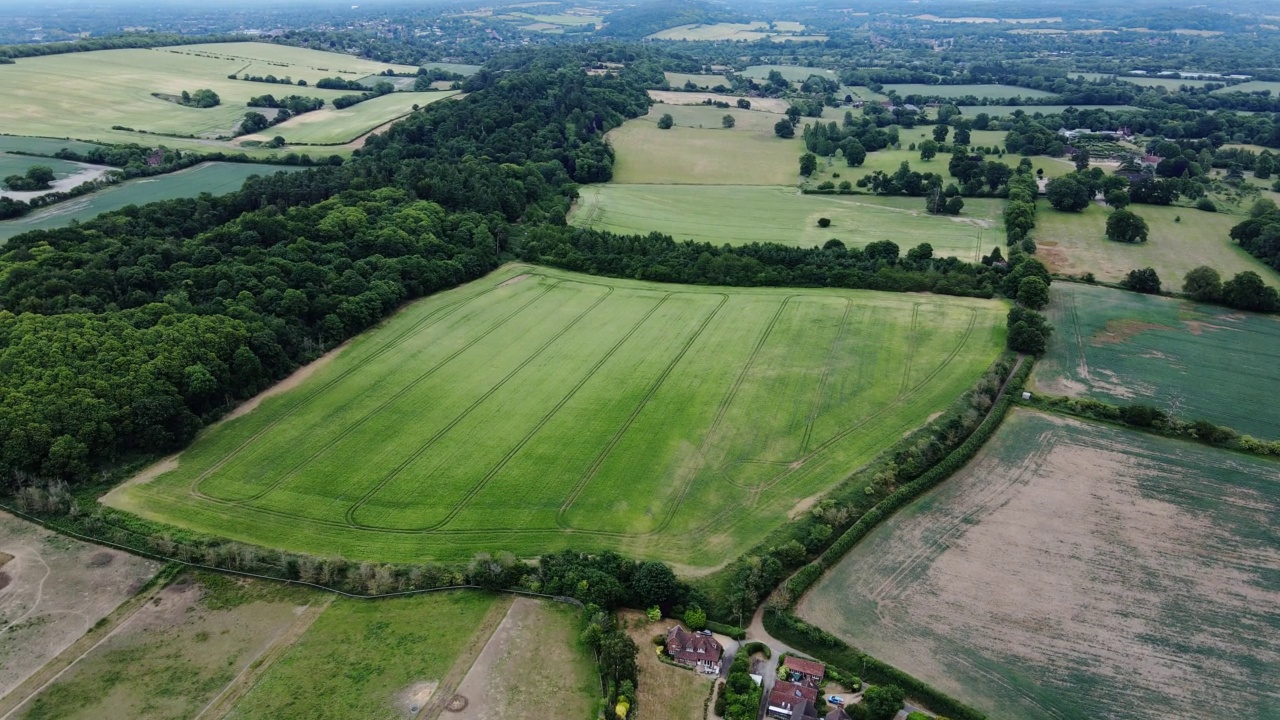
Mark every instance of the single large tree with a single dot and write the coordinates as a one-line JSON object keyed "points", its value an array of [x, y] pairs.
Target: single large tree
{"points": [[727, 122], [940, 133], [1126, 227], [929, 148], [1144, 281], [1203, 284], [808, 163], [1033, 293], [666, 121], [784, 129], [1066, 194], [1247, 291]]}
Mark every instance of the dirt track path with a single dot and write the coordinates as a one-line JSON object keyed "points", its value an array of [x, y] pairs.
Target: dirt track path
{"points": [[450, 682]]}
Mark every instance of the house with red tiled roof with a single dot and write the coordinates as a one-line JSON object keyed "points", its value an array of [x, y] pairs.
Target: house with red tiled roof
{"points": [[809, 672], [700, 652], [792, 701]]}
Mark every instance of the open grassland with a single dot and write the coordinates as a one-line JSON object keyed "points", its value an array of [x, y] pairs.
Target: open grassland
{"points": [[665, 692], [1005, 110], [888, 162], [460, 68], [330, 126], [213, 178], [993, 92], [1164, 82], [794, 73], [699, 151], [537, 409], [376, 660], [758, 30], [533, 662], [1075, 570], [677, 80], [1252, 86], [84, 95], [43, 146], [1181, 239], [174, 655], [738, 214], [18, 164], [684, 97], [1197, 361], [52, 590]]}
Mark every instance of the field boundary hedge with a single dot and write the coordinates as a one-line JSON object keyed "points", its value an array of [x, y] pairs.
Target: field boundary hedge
{"points": [[781, 622]]}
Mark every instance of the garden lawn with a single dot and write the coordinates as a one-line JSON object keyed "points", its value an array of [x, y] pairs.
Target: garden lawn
{"points": [[1076, 570], [736, 215], [216, 178], [1181, 239], [363, 658], [1196, 361], [535, 409]]}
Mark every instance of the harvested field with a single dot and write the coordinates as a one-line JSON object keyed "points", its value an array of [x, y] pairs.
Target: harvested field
{"points": [[667, 421], [180, 651], [736, 215], [533, 660], [368, 659], [698, 150], [665, 692], [1075, 570], [1195, 361], [52, 590]]}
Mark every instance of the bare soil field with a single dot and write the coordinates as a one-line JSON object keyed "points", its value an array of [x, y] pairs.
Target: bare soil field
{"points": [[52, 590], [532, 665], [177, 653], [1074, 570], [665, 692]]}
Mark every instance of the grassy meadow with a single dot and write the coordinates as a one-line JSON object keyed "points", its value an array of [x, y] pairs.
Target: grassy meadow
{"points": [[1181, 239], [214, 178], [537, 409], [84, 95], [794, 73], [330, 126], [993, 92], [677, 80], [18, 164], [699, 151], [1075, 570], [741, 214], [1252, 86], [365, 659], [780, 31], [1004, 110], [1197, 361]]}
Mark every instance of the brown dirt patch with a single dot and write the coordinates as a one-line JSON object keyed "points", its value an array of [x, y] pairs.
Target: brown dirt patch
{"points": [[100, 560], [4, 580], [514, 280], [1053, 258], [4, 558], [54, 593], [1198, 327], [804, 505], [1119, 331], [456, 704], [413, 698]]}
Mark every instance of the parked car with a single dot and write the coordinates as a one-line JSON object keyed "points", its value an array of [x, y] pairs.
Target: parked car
{"points": [[705, 632], [835, 700]]}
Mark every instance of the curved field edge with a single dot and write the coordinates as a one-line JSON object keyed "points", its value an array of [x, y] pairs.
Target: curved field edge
{"points": [[1151, 566], [769, 497]]}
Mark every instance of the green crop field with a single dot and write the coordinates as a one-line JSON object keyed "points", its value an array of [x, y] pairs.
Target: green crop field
{"points": [[460, 68], [1075, 570], [536, 409], [738, 214], [329, 126], [18, 164], [213, 178], [994, 92], [699, 151], [367, 659], [1181, 239], [1198, 361], [84, 95], [44, 146]]}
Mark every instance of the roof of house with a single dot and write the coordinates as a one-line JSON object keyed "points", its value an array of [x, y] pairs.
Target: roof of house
{"points": [[802, 665], [684, 645], [788, 694], [838, 714]]}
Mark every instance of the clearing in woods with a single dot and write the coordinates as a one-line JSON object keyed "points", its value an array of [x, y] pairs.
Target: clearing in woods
{"points": [[173, 656], [215, 178], [1195, 361], [85, 95], [52, 590], [369, 658], [331, 126], [1075, 570], [1181, 239], [737, 215], [666, 421], [699, 150], [532, 663], [982, 92]]}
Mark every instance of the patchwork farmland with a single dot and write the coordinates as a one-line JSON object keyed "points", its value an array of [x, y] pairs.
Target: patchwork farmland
{"points": [[677, 423], [1075, 570], [1188, 359]]}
